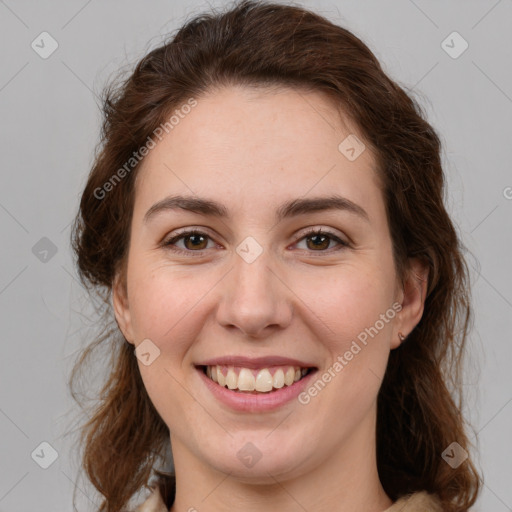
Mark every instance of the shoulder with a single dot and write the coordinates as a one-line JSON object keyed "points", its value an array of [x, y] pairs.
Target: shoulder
{"points": [[416, 502], [153, 503]]}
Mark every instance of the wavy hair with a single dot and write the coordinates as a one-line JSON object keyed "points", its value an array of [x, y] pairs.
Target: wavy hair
{"points": [[260, 44]]}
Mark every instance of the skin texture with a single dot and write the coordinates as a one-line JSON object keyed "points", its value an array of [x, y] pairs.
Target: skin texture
{"points": [[252, 150]]}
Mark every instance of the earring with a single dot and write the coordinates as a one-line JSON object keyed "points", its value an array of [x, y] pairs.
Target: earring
{"points": [[401, 336]]}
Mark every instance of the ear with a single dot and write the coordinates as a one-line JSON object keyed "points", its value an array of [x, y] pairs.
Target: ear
{"points": [[121, 308], [412, 298]]}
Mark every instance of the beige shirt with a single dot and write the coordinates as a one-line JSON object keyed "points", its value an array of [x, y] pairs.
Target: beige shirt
{"points": [[417, 502]]}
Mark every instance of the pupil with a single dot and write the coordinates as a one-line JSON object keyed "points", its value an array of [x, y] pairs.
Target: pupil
{"points": [[319, 236], [194, 244]]}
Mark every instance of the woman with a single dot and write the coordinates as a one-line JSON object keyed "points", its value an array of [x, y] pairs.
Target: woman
{"points": [[265, 222]]}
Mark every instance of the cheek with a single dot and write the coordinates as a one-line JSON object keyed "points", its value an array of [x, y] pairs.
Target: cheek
{"points": [[163, 299], [347, 301]]}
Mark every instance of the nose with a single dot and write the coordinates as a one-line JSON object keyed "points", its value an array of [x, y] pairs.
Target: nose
{"points": [[254, 298]]}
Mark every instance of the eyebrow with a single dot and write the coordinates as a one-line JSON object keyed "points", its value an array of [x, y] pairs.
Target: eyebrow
{"points": [[289, 209]]}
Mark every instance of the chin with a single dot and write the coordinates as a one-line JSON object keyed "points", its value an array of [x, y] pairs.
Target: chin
{"points": [[260, 461]]}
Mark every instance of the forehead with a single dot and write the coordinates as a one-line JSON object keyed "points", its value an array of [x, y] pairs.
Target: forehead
{"points": [[256, 145]]}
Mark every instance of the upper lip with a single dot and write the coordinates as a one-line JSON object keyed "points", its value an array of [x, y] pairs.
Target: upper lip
{"points": [[255, 362]]}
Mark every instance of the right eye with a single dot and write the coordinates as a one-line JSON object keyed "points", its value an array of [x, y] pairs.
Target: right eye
{"points": [[193, 238]]}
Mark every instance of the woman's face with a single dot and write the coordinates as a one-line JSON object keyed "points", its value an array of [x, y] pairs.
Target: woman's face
{"points": [[255, 284]]}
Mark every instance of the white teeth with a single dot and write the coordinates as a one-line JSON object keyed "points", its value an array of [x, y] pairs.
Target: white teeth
{"points": [[263, 382], [279, 379], [246, 380], [221, 379], [289, 376], [231, 379]]}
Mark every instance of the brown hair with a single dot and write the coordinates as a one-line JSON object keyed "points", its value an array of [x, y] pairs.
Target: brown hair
{"points": [[265, 44]]}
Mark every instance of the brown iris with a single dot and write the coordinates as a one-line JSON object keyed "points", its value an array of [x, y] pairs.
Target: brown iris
{"points": [[197, 241], [325, 242]]}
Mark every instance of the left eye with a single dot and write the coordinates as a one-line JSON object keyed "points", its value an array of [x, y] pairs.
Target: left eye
{"points": [[321, 239], [198, 240]]}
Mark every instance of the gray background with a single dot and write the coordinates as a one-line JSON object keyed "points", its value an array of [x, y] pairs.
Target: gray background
{"points": [[50, 125]]}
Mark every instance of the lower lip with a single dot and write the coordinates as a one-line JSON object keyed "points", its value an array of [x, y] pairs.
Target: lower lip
{"points": [[247, 402]]}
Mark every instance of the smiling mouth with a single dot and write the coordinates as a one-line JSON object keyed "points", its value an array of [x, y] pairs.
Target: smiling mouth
{"points": [[255, 381]]}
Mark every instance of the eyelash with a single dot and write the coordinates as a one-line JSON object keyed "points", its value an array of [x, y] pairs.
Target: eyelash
{"points": [[313, 232]]}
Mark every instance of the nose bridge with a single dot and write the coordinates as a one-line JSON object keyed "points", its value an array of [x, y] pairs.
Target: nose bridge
{"points": [[253, 297]]}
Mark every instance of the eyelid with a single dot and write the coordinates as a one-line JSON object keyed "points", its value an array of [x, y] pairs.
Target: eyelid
{"points": [[311, 230]]}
